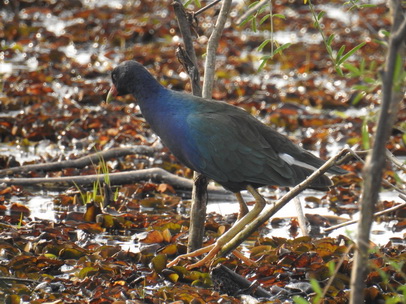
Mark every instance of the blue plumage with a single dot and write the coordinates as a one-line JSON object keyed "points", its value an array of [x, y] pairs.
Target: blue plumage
{"points": [[219, 140]]}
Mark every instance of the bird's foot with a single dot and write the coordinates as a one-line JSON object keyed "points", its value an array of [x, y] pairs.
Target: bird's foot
{"points": [[226, 240], [243, 258], [195, 253], [209, 258]]}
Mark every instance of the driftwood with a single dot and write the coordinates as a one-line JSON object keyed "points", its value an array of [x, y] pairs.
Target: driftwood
{"points": [[82, 162], [156, 175]]}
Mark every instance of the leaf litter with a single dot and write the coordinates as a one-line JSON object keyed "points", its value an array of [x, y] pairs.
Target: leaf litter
{"points": [[55, 63]]}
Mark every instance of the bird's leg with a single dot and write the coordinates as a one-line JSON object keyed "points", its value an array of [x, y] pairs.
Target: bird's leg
{"points": [[243, 206], [237, 227]]}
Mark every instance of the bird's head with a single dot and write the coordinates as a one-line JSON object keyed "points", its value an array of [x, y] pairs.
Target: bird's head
{"points": [[125, 78]]}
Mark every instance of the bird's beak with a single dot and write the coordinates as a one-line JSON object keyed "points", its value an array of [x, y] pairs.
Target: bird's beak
{"points": [[112, 93]]}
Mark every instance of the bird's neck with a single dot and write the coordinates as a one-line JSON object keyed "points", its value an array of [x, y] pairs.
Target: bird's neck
{"points": [[152, 99], [147, 89], [166, 111]]}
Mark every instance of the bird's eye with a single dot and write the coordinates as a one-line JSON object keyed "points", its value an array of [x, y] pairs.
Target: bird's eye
{"points": [[113, 77]]}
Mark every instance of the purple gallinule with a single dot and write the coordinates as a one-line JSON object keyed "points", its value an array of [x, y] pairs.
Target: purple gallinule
{"points": [[221, 141]]}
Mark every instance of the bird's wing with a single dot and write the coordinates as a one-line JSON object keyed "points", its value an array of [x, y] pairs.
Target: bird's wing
{"points": [[234, 149]]}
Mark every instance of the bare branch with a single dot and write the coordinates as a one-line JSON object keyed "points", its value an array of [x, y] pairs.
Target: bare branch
{"points": [[82, 162], [199, 192], [375, 215], [372, 174], [212, 45], [157, 175]]}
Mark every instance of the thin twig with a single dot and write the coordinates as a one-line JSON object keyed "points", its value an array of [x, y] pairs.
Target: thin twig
{"points": [[337, 268], [203, 9], [395, 160], [18, 280], [356, 154], [301, 218], [375, 215], [250, 11]]}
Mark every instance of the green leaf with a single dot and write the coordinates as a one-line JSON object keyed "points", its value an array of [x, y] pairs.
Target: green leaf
{"points": [[317, 289], [187, 3], [397, 266], [339, 71], [281, 48], [254, 25], [360, 87], [252, 4], [264, 60], [369, 80], [385, 33], [279, 16], [340, 52], [159, 262], [330, 39], [86, 272], [329, 50], [320, 15], [316, 286], [397, 73], [358, 98], [246, 20], [316, 24], [263, 19], [351, 52], [366, 5], [261, 10], [355, 72], [372, 66], [299, 300], [381, 42], [399, 181], [362, 66], [263, 44], [331, 267]]}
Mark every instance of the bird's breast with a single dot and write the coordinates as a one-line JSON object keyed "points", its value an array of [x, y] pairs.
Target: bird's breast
{"points": [[171, 126]]}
